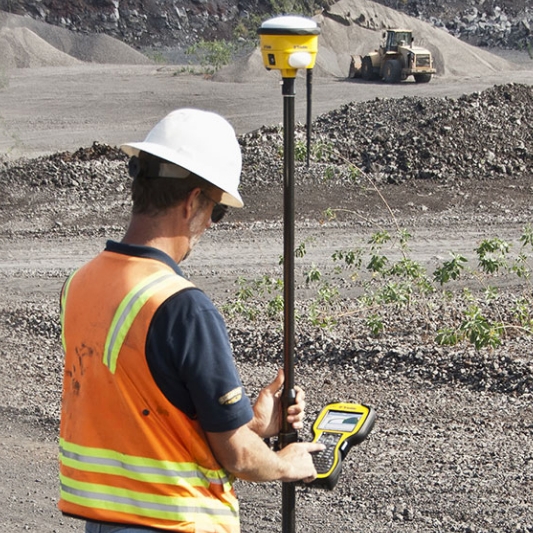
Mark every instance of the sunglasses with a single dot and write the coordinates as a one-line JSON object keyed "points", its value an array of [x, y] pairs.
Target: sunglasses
{"points": [[219, 210]]}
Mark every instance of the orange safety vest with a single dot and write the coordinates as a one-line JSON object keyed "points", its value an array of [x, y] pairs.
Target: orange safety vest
{"points": [[127, 455]]}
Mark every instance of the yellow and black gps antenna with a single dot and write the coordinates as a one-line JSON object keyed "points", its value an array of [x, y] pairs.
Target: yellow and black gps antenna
{"points": [[288, 43]]}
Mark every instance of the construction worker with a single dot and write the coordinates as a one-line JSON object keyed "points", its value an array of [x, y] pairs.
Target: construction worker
{"points": [[155, 423]]}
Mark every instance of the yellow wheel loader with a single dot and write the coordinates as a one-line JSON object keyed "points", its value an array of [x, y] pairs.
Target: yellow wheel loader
{"points": [[395, 60]]}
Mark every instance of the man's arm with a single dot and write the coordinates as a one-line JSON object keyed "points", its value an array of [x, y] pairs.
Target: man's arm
{"points": [[244, 454]]}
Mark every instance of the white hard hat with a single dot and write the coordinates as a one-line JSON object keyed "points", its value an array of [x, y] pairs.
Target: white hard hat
{"points": [[201, 142]]}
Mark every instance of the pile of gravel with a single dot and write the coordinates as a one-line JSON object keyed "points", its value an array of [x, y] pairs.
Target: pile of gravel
{"points": [[85, 192], [478, 136], [484, 135]]}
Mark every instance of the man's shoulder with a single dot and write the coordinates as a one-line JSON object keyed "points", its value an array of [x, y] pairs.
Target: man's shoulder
{"points": [[187, 307], [189, 299]]}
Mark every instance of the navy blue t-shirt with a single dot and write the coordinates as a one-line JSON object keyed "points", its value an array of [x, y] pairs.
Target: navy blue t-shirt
{"points": [[189, 354]]}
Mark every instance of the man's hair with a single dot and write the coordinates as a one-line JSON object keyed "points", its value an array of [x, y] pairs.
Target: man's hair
{"points": [[153, 195]]}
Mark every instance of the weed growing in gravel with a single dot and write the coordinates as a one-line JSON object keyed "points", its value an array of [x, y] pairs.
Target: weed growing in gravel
{"points": [[493, 256], [157, 57], [319, 151], [482, 322], [387, 285], [265, 288]]}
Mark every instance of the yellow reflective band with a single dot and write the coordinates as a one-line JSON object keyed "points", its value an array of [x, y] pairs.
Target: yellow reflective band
{"points": [[189, 509], [62, 312], [128, 309], [142, 469]]}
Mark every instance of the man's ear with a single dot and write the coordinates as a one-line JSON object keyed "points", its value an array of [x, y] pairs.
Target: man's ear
{"points": [[191, 202]]}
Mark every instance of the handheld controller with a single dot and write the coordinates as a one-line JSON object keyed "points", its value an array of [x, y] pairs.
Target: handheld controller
{"points": [[339, 426]]}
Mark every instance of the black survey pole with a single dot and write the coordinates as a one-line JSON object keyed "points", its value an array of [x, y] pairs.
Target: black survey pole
{"points": [[309, 83], [288, 434]]}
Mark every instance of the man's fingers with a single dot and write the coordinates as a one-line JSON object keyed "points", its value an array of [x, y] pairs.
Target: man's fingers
{"points": [[300, 393], [313, 447]]}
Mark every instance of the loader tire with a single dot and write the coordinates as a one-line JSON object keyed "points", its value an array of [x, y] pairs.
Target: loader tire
{"points": [[367, 70], [392, 71], [422, 78]]}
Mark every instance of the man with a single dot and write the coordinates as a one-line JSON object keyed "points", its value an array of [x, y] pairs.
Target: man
{"points": [[155, 423]]}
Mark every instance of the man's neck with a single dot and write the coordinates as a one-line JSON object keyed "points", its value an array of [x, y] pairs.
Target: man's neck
{"points": [[161, 232]]}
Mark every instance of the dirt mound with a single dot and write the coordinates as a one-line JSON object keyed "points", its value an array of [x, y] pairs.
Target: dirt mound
{"points": [[352, 27], [355, 27], [348, 27], [29, 43]]}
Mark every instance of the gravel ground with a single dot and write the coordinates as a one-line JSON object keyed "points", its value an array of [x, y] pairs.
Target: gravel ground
{"points": [[452, 449]]}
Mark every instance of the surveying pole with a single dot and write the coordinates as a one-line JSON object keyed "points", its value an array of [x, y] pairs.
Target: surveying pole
{"points": [[288, 43]]}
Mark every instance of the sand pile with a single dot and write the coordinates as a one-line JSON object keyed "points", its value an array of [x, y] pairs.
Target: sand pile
{"points": [[27, 43], [22, 48], [355, 27]]}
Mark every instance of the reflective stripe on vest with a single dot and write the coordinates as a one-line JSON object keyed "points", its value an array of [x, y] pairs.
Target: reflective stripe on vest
{"points": [[140, 468], [172, 508], [127, 311]]}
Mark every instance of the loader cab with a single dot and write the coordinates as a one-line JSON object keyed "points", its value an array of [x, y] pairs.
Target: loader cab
{"points": [[394, 38]]}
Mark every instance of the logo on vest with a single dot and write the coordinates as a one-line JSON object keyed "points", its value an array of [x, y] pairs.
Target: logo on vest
{"points": [[231, 397]]}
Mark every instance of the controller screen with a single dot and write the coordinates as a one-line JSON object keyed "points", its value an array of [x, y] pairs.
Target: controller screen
{"points": [[340, 421]]}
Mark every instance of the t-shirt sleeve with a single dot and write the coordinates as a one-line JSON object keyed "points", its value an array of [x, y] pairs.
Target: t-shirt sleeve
{"points": [[191, 360]]}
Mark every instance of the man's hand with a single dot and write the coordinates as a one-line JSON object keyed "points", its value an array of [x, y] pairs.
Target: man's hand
{"points": [[298, 455], [267, 409]]}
